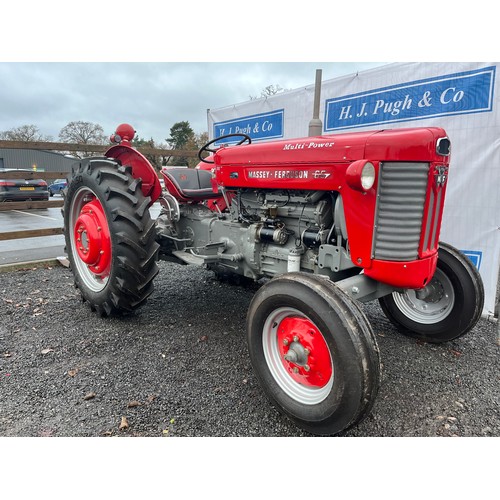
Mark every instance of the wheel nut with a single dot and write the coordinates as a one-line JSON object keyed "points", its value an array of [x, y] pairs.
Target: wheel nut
{"points": [[285, 341], [295, 338], [307, 351], [295, 370], [307, 368]]}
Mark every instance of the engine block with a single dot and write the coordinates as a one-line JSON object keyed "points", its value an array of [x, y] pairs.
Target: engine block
{"points": [[264, 234]]}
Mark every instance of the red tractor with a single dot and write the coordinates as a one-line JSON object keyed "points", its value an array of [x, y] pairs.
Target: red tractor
{"points": [[325, 222]]}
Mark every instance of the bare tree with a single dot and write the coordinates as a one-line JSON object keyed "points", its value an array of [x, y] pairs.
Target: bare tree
{"points": [[26, 133], [80, 132], [268, 91], [83, 133]]}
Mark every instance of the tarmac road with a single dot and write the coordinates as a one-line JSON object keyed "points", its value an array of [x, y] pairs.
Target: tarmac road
{"points": [[30, 249]]}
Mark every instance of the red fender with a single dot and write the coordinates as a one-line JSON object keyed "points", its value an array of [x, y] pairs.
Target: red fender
{"points": [[127, 155]]}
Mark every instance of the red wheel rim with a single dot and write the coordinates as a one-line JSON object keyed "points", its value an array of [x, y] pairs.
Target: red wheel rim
{"points": [[92, 238], [304, 352]]}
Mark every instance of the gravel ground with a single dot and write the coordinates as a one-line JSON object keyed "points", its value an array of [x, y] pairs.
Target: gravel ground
{"points": [[180, 367]]}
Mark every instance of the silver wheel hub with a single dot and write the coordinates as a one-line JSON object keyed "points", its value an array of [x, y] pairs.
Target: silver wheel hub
{"points": [[429, 305]]}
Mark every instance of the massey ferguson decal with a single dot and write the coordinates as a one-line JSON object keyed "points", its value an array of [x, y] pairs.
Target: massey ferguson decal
{"points": [[321, 174], [288, 174], [278, 174]]}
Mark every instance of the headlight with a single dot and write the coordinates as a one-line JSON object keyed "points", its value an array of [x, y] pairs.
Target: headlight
{"points": [[367, 176], [443, 146], [360, 175]]}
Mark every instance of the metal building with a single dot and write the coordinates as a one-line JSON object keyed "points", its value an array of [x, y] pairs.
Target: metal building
{"points": [[32, 159]]}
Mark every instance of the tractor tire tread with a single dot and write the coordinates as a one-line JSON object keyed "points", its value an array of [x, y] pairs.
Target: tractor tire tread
{"points": [[134, 247]]}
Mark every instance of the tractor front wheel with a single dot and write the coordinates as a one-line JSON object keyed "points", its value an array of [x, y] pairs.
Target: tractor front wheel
{"points": [[110, 237], [314, 352], [448, 307]]}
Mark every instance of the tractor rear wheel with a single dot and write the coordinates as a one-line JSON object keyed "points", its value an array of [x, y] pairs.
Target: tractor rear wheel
{"points": [[110, 237], [448, 307], [314, 352]]}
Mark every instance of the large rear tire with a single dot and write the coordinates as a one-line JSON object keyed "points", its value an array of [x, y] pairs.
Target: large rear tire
{"points": [[110, 237], [314, 352], [448, 307]]}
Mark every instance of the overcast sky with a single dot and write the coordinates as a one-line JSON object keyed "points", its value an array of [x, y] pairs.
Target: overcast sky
{"points": [[150, 96]]}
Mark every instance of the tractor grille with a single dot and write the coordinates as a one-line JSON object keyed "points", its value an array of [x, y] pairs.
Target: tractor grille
{"points": [[400, 210]]}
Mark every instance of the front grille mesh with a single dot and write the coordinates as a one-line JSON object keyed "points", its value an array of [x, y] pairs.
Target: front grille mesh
{"points": [[400, 209]]}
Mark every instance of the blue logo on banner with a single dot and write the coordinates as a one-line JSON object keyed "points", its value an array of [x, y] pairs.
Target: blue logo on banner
{"points": [[455, 94], [258, 127], [474, 256]]}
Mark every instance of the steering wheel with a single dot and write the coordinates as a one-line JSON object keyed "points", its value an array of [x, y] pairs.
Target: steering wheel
{"points": [[206, 148]]}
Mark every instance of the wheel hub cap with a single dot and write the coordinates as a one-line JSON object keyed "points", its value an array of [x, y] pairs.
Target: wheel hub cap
{"points": [[430, 305], [304, 352], [92, 238]]}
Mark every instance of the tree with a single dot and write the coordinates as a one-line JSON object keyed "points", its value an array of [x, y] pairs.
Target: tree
{"points": [[180, 134], [268, 91], [83, 133], [194, 144], [27, 133]]}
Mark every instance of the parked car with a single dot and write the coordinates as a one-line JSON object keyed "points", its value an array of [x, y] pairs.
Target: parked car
{"points": [[21, 189], [57, 186]]}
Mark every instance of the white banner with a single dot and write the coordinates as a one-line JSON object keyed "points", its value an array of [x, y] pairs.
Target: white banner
{"points": [[460, 97]]}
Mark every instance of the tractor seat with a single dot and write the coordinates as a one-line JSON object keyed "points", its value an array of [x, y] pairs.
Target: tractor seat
{"points": [[190, 184]]}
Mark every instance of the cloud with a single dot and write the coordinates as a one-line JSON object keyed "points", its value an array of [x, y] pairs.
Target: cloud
{"points": [[150, 96]]}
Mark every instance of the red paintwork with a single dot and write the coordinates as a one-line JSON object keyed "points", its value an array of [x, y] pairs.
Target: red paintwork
{"points": [[92, 237], [331, 153], [320, 163], [318, 360], [411, 274], [125, 132], [220, 204], [127, 155], [434, 216], [353, 175]]}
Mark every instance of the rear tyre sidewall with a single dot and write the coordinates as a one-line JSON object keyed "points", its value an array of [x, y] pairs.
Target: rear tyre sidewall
{"points": [[126, 289]]}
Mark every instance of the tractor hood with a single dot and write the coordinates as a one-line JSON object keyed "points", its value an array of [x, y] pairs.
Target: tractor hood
{"points": [[415, 144]]}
